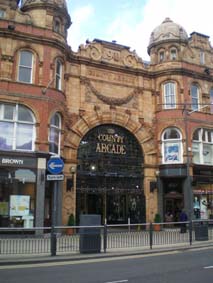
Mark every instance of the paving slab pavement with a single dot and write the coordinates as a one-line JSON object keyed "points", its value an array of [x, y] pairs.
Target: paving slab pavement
{"points": [[19, 259]]}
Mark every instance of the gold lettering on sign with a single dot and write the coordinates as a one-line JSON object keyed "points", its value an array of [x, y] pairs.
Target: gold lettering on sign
{"points": [[111, 144]]}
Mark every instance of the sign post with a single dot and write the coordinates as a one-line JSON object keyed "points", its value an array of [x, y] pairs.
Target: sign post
{"points": [[55, 166]]}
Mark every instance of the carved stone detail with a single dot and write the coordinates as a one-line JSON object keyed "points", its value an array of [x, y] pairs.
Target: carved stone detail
{"points": [[109, 100]]}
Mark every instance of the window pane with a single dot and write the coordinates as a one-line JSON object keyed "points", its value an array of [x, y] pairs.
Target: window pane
{"points": [[6, 135], [53, 148], [196, 152], [196, 135], [8, 112], [58, 68], [54, 135], [24, 114], [58, 83], [54, 140], [24, 75], [171, 134], [24, 136], [161, 56], [173, 54], [195, 97], [2, 13], [207, 154], [26, 59], [56, 26], [55, 121], [169, 95], [58, 74]]}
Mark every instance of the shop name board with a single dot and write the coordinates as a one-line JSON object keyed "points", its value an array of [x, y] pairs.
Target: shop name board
{"points": [[111, 143], [12, 161], [21, 162]]}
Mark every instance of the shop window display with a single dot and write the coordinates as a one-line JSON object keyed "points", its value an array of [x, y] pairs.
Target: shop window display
{"points": [[203, 206], [17, 198]]}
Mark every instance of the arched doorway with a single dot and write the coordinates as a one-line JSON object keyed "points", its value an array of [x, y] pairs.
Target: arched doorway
{"points": [[110, 175]]}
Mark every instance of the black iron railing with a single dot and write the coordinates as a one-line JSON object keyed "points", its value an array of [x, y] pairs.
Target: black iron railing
{"points": [[95, 239]]}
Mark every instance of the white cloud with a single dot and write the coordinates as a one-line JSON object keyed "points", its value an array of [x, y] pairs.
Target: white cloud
{"points": [[80, 17], [133, 26]]}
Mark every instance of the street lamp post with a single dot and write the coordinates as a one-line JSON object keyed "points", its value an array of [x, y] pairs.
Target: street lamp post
{"points": [[189, 193]]}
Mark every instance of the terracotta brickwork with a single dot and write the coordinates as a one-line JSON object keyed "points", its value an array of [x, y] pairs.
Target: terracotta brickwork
{"points": [[103, 83]]}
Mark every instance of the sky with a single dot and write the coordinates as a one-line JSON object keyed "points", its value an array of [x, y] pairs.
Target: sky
{"points": [[130, 22]]}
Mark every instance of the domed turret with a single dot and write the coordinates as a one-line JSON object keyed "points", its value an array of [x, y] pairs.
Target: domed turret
{"points": [[167, 31], [51, 14]]}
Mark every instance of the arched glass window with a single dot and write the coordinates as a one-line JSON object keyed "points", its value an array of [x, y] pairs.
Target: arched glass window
{"points": [[173, 54], [58, 74], [172, 146], [202, 146], [211, 100], [17, 128], [169, 96], [195, 97], [55, 134], [25, 67], [2, 13], [202, 57], [57, 25], [161, 56]]}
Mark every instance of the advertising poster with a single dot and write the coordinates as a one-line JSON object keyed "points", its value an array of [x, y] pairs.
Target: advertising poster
{"points": [[19, 205], [172, 153]]}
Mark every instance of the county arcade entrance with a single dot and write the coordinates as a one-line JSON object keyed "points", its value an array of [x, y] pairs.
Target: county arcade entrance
{"points": [[110, 175]]}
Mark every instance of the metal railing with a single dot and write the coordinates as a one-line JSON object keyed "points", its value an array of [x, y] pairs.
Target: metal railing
{"points": [[95, 239]]}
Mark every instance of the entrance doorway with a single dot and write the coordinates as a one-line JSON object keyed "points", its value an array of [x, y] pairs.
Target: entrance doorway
{"points": [[173, 199], [110, 176]]}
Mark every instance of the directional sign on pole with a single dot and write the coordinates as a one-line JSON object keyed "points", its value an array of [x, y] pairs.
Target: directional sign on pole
{"points": [[59, 177], [55, 165]]}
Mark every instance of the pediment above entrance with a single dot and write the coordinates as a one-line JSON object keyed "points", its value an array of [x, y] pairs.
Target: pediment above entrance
{"points": [[110, 52]]}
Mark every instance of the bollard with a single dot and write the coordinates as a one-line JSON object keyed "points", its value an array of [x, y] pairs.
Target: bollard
{"points": [[151, 235], [105, 238], [53, 242]]}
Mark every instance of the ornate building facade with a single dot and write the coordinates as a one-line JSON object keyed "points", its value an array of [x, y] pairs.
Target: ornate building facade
{"points": [[136, 138]]}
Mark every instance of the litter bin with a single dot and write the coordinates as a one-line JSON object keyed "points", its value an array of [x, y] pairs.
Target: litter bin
{"points": [[201, 231], [90, 238]]}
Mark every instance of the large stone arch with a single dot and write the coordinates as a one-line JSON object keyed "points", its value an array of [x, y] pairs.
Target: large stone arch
{"points": [[143, 132]]}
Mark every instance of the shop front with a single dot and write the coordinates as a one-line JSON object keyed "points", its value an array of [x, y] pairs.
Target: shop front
{"points": [[22, 182], [203, 192], [110, 176]]}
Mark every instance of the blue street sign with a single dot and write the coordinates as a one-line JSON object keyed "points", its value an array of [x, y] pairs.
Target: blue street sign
{"points": [[55, 165]]}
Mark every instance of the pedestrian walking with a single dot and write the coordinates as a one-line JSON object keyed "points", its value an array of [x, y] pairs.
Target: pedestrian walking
{"points": [[183, 219]]}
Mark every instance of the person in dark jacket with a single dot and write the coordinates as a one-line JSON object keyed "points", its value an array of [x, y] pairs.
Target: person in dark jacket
{"points": [[183, 219]]}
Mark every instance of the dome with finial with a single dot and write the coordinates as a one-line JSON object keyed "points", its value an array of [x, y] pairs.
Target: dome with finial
{"points": [[167, 31]]}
